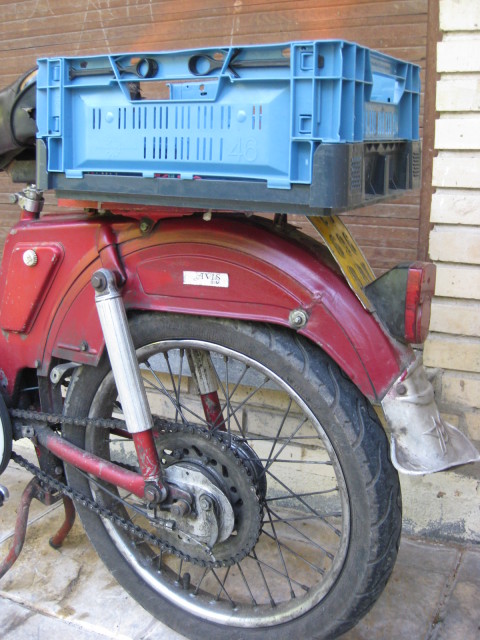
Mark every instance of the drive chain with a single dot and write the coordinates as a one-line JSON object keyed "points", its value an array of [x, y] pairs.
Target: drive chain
{"points": [[54, 484]]}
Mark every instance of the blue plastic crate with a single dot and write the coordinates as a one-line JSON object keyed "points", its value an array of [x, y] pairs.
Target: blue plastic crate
{"points": [[254, 113]]}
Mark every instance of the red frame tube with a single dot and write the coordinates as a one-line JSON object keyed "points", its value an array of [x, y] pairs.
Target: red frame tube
{"points": [[213, 411], [29, 493], [90, 463], [58, 539], [148, 457]]}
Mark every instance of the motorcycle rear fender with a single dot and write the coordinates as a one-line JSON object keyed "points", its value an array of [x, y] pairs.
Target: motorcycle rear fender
{"points": [[240, 269]]}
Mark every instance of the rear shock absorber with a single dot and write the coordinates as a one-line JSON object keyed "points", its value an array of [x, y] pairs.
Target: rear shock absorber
{"points": [[203, 372], [126, 372]]}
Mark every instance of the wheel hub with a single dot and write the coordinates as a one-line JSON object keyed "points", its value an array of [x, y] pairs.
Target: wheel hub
{"points": [[224, 519], [210, 518]]}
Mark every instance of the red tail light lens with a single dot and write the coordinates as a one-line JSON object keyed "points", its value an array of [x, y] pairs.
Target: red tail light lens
{"points": [[418, 301]]}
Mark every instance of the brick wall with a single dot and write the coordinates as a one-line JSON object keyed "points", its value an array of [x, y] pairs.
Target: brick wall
{"points": [[454, 342]]}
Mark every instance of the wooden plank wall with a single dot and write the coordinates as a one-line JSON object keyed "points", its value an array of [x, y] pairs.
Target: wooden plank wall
{"points": [[33, 28]]}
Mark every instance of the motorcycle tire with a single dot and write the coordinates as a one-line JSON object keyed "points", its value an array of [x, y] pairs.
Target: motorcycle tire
{"points": [[318, 522]]}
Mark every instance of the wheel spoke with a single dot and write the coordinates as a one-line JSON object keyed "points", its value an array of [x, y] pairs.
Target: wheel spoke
{"points": [[280, 552], [245, 582], [270, 460], [271, 465], [334, 514], [179, 575], [290, 461], [296, 554], [197, 590], [300, 533], [262, 563], [180, 409], [222, 586], [242, 404], [267, 588], [302, 501], [161, 387], [282, 424], [302, 495], [229, 395]]}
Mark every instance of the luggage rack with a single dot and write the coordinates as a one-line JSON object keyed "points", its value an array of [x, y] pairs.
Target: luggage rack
{"points": [[300, 127]]}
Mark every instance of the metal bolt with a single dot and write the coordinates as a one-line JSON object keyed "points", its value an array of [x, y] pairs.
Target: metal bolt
{"points": [[205, 503], [401, 389], [297, 318], [180, 508], [145, 225], [30, 258], [153, 494], [99, 281], [150, 494]]}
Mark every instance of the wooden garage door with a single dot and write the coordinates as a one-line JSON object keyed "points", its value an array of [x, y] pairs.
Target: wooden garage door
{"points": [[388, 234]]}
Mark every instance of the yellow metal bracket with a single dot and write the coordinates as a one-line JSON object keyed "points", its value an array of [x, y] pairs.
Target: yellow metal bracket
{"points": [[347, 254]]}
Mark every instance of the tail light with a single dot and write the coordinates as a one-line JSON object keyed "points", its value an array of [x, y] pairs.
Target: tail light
{"points": [[418, 301], [402, 299]]}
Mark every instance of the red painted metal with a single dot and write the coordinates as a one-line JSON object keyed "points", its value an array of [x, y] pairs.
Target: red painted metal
{"points": [[31, 491], [58, 539], [26, 287], [148, 457], [90, 463], [212, 410], [78, 236], [271, 272]]}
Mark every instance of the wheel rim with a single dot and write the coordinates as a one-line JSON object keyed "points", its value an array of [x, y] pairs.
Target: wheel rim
{"points": [[306, 524]]}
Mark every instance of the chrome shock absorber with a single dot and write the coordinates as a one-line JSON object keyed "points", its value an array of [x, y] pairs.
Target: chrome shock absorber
{"points": [[126, 372]]}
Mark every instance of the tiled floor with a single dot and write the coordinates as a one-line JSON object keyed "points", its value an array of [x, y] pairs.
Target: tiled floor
{"points": [[433, 594]]}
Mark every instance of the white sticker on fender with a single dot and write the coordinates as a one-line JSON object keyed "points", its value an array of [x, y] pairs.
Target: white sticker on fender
{"points": [[206, 279]]}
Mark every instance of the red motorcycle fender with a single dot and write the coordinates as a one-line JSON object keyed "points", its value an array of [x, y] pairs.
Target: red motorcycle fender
{"points": [[242, 269]]}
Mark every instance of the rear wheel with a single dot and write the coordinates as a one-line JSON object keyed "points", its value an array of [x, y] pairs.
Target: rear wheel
{"points": [[295, 519], [6, 438]]}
